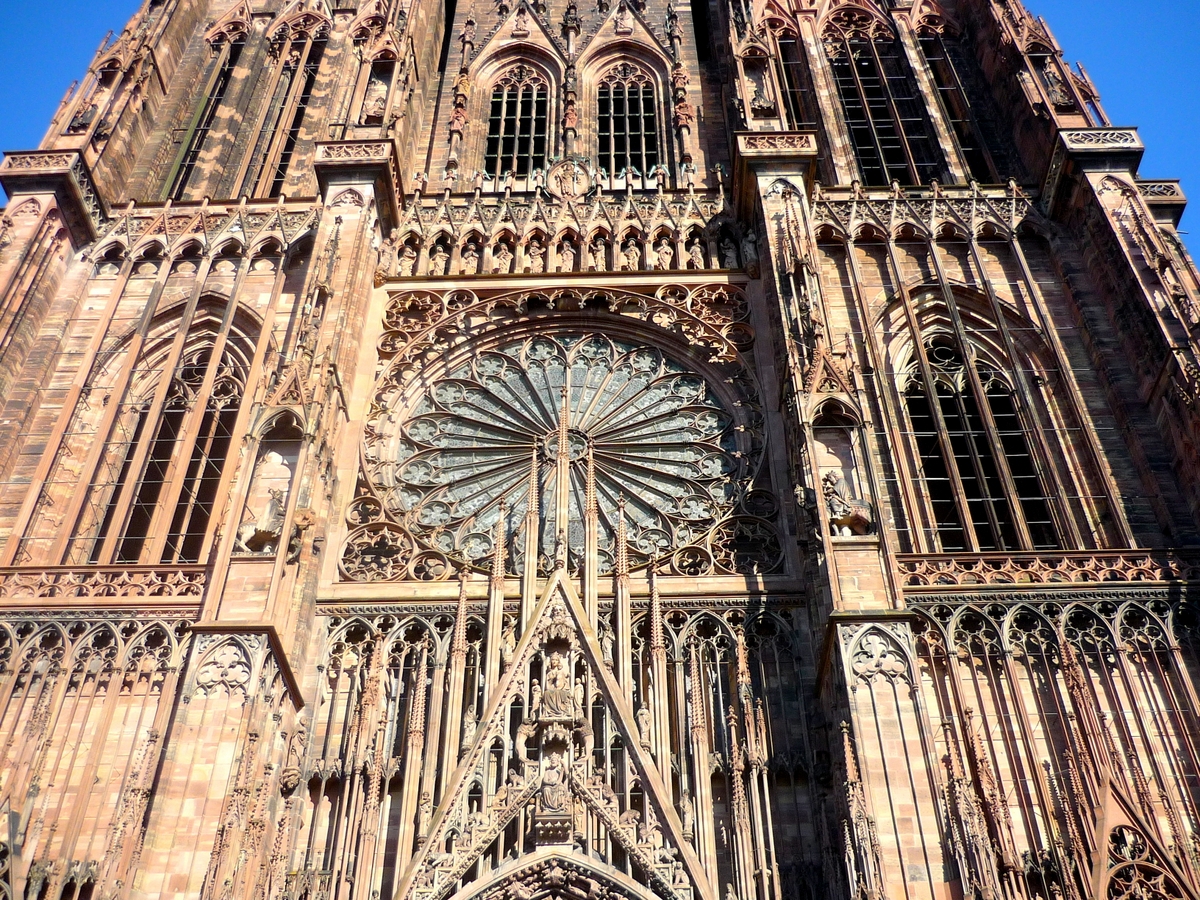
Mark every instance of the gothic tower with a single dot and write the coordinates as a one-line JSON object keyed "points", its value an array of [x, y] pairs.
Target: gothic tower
{"points": [[595, 450]]}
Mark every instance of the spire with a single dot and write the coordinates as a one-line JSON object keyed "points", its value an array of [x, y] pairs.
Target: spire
{"points": [[499, 542], [622, 552], [591, 539], [458, 644], [532, 524]]}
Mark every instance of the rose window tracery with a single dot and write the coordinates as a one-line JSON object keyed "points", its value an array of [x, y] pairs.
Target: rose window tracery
{"points": [[664, 443]]}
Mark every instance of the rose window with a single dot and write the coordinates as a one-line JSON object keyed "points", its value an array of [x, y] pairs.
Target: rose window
{"points": [[662, 440]]}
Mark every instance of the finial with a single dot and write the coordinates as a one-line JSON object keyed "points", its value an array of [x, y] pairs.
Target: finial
{"points": [[499, 542], [622, 560]]}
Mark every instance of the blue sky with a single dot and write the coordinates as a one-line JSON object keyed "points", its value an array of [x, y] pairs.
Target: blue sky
{"points": [[1141, 55]]}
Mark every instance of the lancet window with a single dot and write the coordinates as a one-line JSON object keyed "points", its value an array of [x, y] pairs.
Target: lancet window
{"points": [[226, 54], [151, 486], [889, 129], [943, 58], [798, 96], [627, 120], [975, 451], [279, 132], [517, 124]]}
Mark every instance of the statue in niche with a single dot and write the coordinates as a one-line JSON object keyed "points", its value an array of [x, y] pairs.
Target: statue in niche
{"points": [[643, 722], [599, 254], [437, 262], [470, 258], [750, 252], [470, 724], [687, 813], [847, 515], [82, 120], [407, 261], [664, 255], [607, 640], [262, 520], [556, 796], [558, 701], [458, 119], [566, 257], [502, 260], [387, 257], [374, 101], [696, 255], [537, 256], [729, 257], [508, 643], [632, 257]]}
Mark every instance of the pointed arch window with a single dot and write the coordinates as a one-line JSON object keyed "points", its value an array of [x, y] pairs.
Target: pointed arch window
{"points": [[627, 120], [153, 493], [888, 123], [979, 472], [226, 54], [283, 119], [943, 57], [517, 124]]}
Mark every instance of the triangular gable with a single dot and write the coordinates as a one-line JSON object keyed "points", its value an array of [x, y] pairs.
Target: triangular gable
{"points": [[551, 786], [624, 23], [1123, 835], [522, 28]]}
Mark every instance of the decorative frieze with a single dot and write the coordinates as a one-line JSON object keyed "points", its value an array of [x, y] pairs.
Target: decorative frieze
{"points": [[1067, 568]]}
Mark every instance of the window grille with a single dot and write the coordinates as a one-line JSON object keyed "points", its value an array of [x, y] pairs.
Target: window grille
{"points": [[891, 134], [228, 53], [627, 121], [990, 468], [154, 490], [517, 124], [279, 132], [956, 107]]}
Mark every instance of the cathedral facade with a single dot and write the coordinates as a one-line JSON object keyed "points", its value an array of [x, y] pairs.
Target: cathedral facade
{"points": [[595, 450]]}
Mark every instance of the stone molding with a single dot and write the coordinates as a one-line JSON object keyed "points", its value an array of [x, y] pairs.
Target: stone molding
{"points": [[64, 174]]}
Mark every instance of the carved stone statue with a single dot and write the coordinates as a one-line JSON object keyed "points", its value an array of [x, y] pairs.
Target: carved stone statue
{"points": [[695, 255], [558, 701], [470, 258], [664, 255], [537, 256], [599, 253], [508, 643], [502, 259], [387, 257], [607, 642], [847, 515], [687, 813], [374, 101], [556, 797], [438, 261], [643, 721], [729, 259], [262, 521], [632, 254], [408, 261], [566, 257]]}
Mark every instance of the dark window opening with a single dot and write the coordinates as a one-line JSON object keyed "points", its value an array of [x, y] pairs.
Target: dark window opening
{"points": [[203, 121], [308, 81], [892, 137], [957, 108], [627, 126], [517, 127], [703, 32], [975, 455]]}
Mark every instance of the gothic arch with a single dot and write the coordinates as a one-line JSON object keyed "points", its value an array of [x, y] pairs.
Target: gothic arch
{"points": [[574, 869]]}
